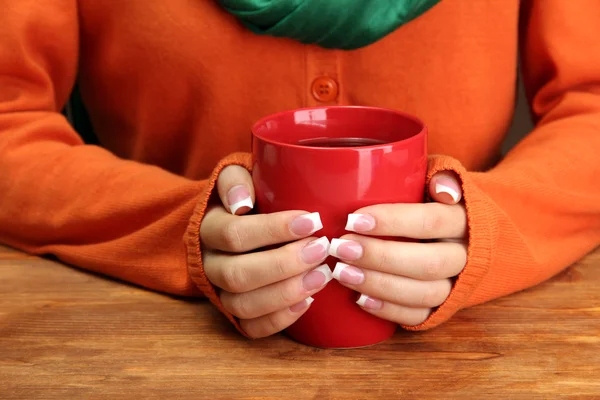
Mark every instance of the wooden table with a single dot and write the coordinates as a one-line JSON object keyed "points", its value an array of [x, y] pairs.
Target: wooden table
{"points": [[68, 334]]}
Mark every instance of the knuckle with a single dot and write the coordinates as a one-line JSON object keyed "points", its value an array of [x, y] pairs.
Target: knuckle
{"points": [[263, 327], [238, 306], [287, 295], [416, 316], [433, 296], [425, 298], [287, 261], [387, 284], [234, 279], [431, 222], [272, 229], [232, 175], [280, 262], [423, 315], [252, 328], [272, 323], [381, 256], [433, 267], [252, 331], [232, 237], [275, 227]]}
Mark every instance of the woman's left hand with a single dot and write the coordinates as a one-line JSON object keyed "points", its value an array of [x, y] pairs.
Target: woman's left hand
{"points": [[404, 281]]}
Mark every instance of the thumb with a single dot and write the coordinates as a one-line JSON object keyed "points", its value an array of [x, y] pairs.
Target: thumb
{"points": [[236, 190], [444, 187]]}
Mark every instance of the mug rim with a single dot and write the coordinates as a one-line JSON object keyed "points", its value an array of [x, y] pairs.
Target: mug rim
{"points": [[262, 121]]}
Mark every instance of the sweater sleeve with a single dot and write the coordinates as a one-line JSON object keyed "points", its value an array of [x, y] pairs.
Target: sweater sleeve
{"points": [[82, 203], [538, 210]]}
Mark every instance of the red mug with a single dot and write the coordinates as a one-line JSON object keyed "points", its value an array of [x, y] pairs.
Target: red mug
{"points": [[335, 160]]}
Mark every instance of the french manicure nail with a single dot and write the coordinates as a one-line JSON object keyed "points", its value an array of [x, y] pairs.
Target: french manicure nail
{"points": [[441, 188], [345, 249], [317, 278], [306, 224], [369, 302], [348, 274], [238, 197], [315, 251], [360, 223], [302, 305]]}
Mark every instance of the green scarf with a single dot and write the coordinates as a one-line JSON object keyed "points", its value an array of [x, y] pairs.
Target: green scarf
{"points": [[340, 24]]}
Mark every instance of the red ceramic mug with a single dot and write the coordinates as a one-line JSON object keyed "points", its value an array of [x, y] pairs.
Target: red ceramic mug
{"points": [[334, 160]]}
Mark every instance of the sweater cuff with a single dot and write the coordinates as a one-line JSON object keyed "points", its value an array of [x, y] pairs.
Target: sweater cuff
{"points": [[192, 236], [482, 230]]}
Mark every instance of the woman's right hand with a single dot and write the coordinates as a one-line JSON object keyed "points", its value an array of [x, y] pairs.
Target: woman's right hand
{"points": [[267, 290]]}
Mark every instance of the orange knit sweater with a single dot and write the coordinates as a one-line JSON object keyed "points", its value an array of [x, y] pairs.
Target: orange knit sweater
{"points": [[172, 88]]}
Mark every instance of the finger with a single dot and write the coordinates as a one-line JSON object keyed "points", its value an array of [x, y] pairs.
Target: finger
{"points": [[236, 190], [444, 187], [396, 289], [222, 231], [246, 272], [277, 321], [280, 295], [408, 316], [417, 221], [422, 261]]}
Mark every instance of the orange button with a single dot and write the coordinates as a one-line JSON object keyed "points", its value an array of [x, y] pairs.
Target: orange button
{"points": [[325, 89]]}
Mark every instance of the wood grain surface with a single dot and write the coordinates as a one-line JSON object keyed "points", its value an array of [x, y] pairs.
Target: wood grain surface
{"points": [[68, 334]]}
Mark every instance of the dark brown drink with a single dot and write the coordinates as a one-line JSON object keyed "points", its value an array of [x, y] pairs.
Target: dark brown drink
{"points": [[340, 142]]}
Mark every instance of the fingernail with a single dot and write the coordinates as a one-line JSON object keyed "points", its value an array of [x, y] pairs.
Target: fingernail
{"points": [[345, 249], [238, 197], [306, 224], [360, 223], [317, 278], [302, 305], [441, 188], [369, 302], [315, 251], [348, 274]]}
